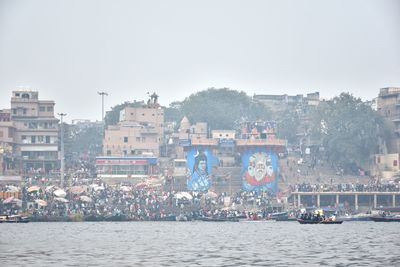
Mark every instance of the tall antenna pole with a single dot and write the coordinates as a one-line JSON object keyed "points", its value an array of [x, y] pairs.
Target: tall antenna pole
{"points": [[62, 150], [102, 104]]}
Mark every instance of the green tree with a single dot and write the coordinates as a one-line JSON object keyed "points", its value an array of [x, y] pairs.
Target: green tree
{"points": [[173, 112], [83, 140], [349, 130], [288, 122], [222, 108]]}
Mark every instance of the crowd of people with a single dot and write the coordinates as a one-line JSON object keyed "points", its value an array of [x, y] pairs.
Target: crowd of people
{"points": [[346, 187], [95, 200]]}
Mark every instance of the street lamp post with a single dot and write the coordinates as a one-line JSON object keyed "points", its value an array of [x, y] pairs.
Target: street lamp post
{"points": [[62, 150], [102, 104]]}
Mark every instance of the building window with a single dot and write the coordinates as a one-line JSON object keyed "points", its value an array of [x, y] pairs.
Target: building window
{"points": [[24, 111], [125, 152], [42, 109], [14, 111], [125, 139], [33, 139], [143, 139], [137, 139], [47, 139], [1, 133], [50, 109], [40, 139], [108, 152], [394, 163]]}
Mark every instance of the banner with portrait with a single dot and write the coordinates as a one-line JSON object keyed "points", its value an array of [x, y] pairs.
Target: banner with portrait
{"points": [[200, 164], [260, 170]]}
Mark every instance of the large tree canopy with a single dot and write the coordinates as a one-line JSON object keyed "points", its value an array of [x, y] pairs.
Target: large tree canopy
{"points": [[222, 108], [349, 130], [288, 122]]}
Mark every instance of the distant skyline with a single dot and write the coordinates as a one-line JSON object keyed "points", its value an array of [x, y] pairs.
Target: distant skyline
{"points": [[70, 50]]}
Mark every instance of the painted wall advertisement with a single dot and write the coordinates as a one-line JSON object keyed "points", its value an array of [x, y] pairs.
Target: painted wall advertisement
{"points": [[200, 164], [260, 170]]}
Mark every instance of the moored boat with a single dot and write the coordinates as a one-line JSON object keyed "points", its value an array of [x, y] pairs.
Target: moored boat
{"points": [[211, 219], [301, 221], [385, 218], [257, 221], [13, 219]]}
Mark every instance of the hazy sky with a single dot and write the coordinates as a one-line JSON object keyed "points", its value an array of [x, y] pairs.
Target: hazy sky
{"points": [[69, 50]]}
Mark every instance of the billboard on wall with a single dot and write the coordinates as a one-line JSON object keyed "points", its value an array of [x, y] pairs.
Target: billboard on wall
{"points": [[200, 163], [260, 170]]}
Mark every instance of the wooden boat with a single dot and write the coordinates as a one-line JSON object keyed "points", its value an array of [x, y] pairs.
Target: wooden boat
{"points": [[211, 219], [301, 221], [385, 218], [168, 218], [257, 221], [13, 219], [356, 218]]}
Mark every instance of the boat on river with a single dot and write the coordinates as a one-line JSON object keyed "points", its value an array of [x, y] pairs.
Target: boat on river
{"points": [[13, 219], [217, 219], [257, 221], [361, 217], [302, 221], [385, 218]]}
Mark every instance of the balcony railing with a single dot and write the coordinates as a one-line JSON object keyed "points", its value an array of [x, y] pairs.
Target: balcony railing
{"points": [[260, 142]]}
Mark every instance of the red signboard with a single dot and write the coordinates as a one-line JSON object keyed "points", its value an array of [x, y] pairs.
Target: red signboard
{"points": [[121, 162]]}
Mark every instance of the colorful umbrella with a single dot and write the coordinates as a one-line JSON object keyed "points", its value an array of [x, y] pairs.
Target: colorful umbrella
{"points": [[41, 202], [86, 199], [77, 190], [59, 193], [61, 199], [34, 188]]}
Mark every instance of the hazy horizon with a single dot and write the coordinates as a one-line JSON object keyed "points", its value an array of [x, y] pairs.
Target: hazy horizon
{"points": [[70, 50]]}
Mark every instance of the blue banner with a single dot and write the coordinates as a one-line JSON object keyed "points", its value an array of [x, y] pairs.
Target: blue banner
{"points": [[185, 142], [200, 163], [227, 143], [260, 170]]}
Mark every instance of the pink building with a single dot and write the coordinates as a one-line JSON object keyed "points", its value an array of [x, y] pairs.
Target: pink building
{"points": [[7, 143], [36, 132], [131, 148], [139, 132]]}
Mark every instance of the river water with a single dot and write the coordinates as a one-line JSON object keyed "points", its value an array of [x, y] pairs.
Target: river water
{"points": [[199, 244]]}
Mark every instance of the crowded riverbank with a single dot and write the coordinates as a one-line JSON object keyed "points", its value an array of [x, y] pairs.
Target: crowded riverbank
{"points": [[94, 200]]}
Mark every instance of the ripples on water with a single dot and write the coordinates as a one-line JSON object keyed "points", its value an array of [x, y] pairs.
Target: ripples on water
{"points": [[199, 244]]}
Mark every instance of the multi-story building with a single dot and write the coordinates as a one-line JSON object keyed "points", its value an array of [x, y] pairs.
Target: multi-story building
{"points": [[131, 147], [7, 131], [36, 132], [388, 104], [282, 102], [139, 131]]}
